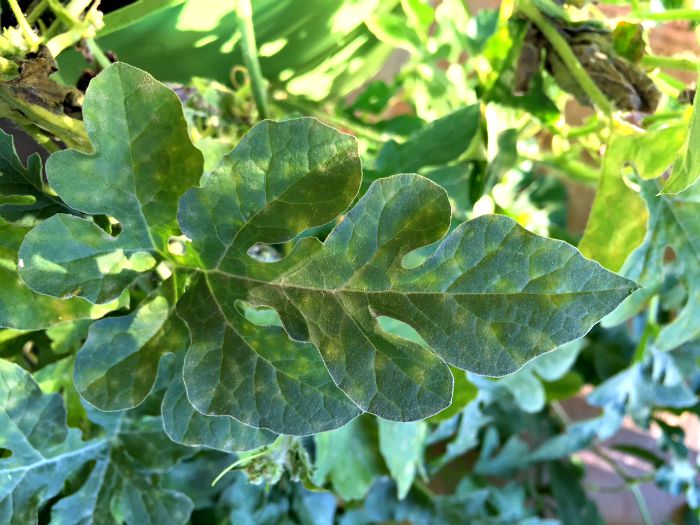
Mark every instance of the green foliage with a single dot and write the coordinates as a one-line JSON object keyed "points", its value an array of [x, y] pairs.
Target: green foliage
{"points": [[207, 318], [110, 469]]}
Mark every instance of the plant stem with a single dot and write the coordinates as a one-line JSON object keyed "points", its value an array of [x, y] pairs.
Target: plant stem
{"points": [[37, 11], [244, 13], [97, 52], [561, 47], [292, 103], [29, 34], [641, 505], [670, 15], [682, 64]]}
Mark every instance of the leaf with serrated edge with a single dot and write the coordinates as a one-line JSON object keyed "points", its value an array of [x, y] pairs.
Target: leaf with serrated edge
{"points": [[143, 161]]}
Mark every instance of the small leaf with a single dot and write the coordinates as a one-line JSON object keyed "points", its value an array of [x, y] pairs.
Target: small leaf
{"points": [[401, 446], [437, 143], [21, 188], [618, 218], [686, 167], [143, 161], [393, 30], [348, 458], [527, 384], [628, 41]]}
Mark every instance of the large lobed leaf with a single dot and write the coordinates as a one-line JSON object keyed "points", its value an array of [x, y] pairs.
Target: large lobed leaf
{"points": [[490, 298]]}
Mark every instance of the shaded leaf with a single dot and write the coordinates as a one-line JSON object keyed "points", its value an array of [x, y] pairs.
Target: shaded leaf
{"points": [[185, 425], [111, 468], [401, 446], [439, 142], [21, 187], [348, 458]]}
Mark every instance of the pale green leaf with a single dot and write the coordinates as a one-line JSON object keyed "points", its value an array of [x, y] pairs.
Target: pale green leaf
{"points": [[674, 223], [23, 309], [618, 219], [401, 446], [392, 29], [686, 167], [143, 161], [348, 458], [526, 385]]}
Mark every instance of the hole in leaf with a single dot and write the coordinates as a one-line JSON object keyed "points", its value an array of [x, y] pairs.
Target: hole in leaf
{"points": [[5, 453], [264, 253], [109, 225], [400, 329], [177, 245], [416, 257], [669, 254], [259, 315]]}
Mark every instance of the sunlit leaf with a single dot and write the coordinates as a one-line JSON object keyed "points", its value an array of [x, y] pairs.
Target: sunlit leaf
{"points": [[143, 161]]}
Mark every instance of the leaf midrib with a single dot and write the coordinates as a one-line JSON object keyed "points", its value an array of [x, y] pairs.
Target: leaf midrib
{"points": [[340, 290]]}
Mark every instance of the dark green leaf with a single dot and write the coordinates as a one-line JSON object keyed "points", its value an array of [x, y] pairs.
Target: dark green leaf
{"points": [[439, 142]]}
